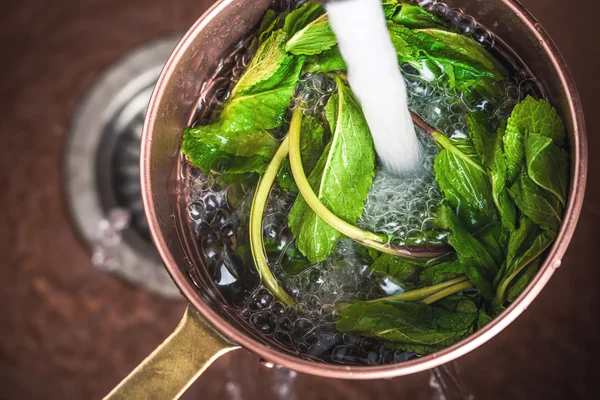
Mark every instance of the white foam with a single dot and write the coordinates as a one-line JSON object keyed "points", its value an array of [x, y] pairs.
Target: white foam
{"points": [[375, 78]]}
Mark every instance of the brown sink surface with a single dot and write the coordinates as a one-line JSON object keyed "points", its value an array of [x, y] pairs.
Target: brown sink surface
{"points": [[69, 331]]}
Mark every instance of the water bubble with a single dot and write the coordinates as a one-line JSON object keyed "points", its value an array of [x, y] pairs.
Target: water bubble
{"points": [[339, 353], [196, 211], [283, 338], [264, 321], [212, 202], [482, 36], [466, 25], [374, 358], [260, 301], [316, 350], [285, 324]]}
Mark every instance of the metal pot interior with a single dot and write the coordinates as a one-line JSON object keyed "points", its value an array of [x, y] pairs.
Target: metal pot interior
{"points": [[174, 105]]}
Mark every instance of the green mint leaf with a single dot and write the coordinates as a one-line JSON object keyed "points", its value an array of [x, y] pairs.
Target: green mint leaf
{"points": [[268, 67], [480, 266], [267, 26], [541, 206], [314, 38], [458, 303], [526, 244], [495, 239], [489, 148], [463, 180], [483, 318], [299, 18], [411, 16], [239, 141], [547, 164], [482, 139], [328, 61], [442, 272], [530, 116], [498, 174], [522, 281], [521, 241], [485, 94], [420, 349], [463, 61], [407, 324], [209, 158], [341, 179], [401, 271], [390, 9], [314, 237], [311, 147]]}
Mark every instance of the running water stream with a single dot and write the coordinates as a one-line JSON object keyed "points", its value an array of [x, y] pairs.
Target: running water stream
{"points": [[375, 78]]}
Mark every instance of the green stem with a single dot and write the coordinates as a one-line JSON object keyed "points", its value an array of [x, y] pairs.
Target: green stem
{"points": [[442, 294], [443, 141], [423, 293], [369, 239], [256, 225]]}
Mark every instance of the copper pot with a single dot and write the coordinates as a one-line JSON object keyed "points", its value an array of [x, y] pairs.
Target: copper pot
{"points": [[209, 329]]}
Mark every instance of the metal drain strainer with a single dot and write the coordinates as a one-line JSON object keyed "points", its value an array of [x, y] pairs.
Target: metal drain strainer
{"points": [[102, 176]]}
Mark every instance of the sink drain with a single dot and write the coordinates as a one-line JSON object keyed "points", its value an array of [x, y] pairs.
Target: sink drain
{"points": [[102, 176]]}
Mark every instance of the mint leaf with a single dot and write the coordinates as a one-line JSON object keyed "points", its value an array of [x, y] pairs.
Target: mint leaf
{"points": [[315, 38], [480, 266], [262, 110], [541, 206], [489, 148], [463, 180], [401, 271], [411, 274], [341, 179], [483, 319], [458, 303], [547, 164], [463, 61], [482, 139], [268, 67], [328, 61], [297, 19], [520, 242], [390, 8], [498, 173], [442, 272], [530, 116], [523, 280], [526, 244], [311, 148], [239, 141], [421, 349], [209, 158], [267, 25], [411, 16], [495, 239], [409, 326]]}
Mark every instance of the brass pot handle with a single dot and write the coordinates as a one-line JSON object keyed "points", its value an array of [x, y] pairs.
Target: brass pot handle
{"points": [[176, 363]]}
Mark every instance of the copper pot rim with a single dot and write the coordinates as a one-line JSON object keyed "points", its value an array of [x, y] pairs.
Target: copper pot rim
{"points": [[552, 262]]}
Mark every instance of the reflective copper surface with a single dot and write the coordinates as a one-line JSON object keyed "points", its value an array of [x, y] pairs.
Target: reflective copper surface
{"points": [[172, 107], [68, 331]]}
